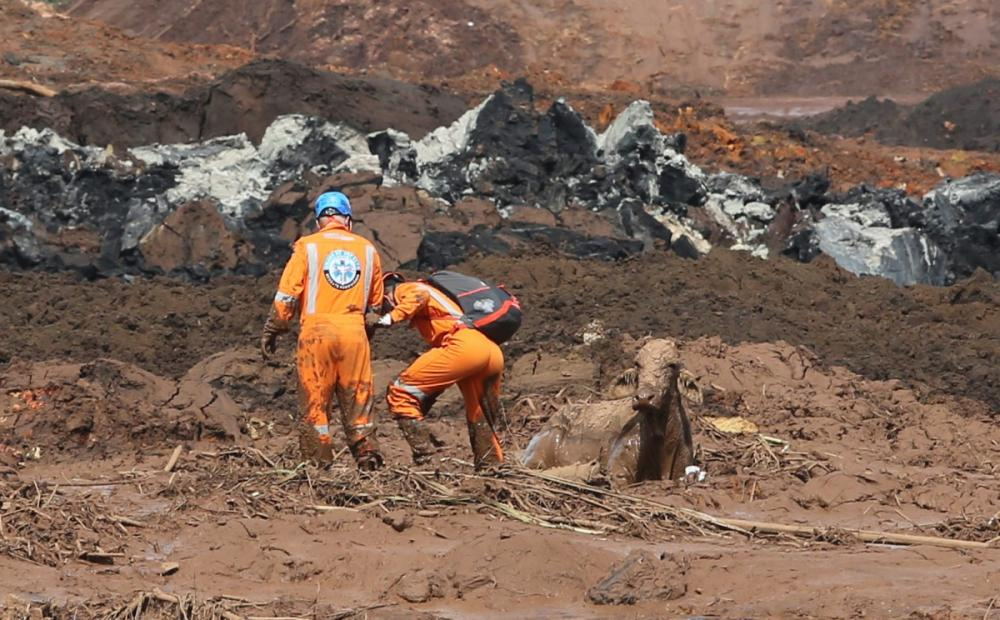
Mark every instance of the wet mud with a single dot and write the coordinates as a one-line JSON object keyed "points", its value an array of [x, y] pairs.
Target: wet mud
{"points": [[858, 401]]}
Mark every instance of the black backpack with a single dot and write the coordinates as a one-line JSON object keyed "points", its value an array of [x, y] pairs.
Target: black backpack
{"points": [[488, 308]]}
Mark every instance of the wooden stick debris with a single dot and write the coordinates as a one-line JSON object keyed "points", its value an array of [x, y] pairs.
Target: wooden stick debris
{"points": [[90, 483], [748, 527], [28, 87], [862, 535], [100, 557], [323, 508], [126, 521], [169, 467]]}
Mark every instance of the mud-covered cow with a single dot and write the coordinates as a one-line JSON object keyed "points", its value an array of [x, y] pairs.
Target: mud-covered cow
{"points": [[643, 436]]}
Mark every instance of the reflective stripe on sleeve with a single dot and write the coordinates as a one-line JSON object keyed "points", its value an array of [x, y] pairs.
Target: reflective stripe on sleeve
{"points": [[285, 298]]}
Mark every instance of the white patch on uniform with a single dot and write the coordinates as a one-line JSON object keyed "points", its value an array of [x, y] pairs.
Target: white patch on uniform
{"points": [[486, 306], [342, 269]]}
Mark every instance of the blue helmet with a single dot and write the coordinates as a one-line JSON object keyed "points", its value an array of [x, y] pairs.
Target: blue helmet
{"points": [[332, 203]]}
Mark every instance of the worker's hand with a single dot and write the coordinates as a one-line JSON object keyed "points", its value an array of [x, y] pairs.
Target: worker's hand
{"points": [[269, 336], [268, 343], [373, 322]]}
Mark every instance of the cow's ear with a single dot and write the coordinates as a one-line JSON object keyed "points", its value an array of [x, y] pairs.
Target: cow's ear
{"points": [[645, 340], [689, 388]]}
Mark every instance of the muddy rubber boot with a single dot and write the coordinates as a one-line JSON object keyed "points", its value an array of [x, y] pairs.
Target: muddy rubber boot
{"points": [[312, 448], [423, 443], [370, 461], [485, 446], [486, 450], [367, 453]]}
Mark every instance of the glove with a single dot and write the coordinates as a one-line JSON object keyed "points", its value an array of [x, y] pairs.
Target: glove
{"points": [[269, 336], [373, 322]]}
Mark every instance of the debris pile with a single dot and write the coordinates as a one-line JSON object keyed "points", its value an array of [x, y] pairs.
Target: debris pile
{"points": [[504, 178]]}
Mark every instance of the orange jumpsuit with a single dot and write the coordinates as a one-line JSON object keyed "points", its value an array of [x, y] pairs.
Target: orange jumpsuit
{"points": [[459, 354], [332, 279]]}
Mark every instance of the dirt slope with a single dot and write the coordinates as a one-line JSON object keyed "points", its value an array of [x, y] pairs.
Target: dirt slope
{"points": [[422, 37], [243, 100], [740, 46], [38, 45]]}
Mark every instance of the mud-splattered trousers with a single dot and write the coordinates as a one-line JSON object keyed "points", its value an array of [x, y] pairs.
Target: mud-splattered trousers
{"points": [[333, 277], [334, 361], [459, 354]]}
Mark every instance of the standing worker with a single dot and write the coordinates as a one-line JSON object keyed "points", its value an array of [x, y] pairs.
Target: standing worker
{"points": [[460, 353], [332, 279]]}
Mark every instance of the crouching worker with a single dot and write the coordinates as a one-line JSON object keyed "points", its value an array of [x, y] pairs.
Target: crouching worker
{"points": [[463, 319], [332, 279]]}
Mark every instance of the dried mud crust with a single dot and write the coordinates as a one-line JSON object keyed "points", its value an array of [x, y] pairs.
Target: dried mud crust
{"points": [[106, 406], [944, 338]]}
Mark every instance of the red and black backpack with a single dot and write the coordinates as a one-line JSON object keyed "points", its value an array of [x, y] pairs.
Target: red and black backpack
{"points": [[488, 308]]}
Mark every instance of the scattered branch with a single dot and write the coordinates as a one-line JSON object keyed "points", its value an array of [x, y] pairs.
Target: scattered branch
{"points": [[28, 87]]}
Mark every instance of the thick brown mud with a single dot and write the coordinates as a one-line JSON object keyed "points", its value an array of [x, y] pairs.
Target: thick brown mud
{"points": [[938, 340]]}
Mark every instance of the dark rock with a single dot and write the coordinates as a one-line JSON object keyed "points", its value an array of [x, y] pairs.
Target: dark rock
{"points": [[575, 245], [803, 246], [395, 152], [439, 250], [82, 206], [685, 248], [18, 244], [963, 217], [640, 225], [811, 191], [732, 185], [903, 255], [902, 211], [677, 187], [509, 152]]}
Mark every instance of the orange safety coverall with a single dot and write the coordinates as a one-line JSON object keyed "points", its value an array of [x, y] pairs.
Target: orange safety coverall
{"points": [[332, 279], [459, 354]]}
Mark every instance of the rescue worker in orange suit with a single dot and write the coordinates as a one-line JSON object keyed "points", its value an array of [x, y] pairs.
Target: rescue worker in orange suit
{"points": [[332, 279], [458, 354]]}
